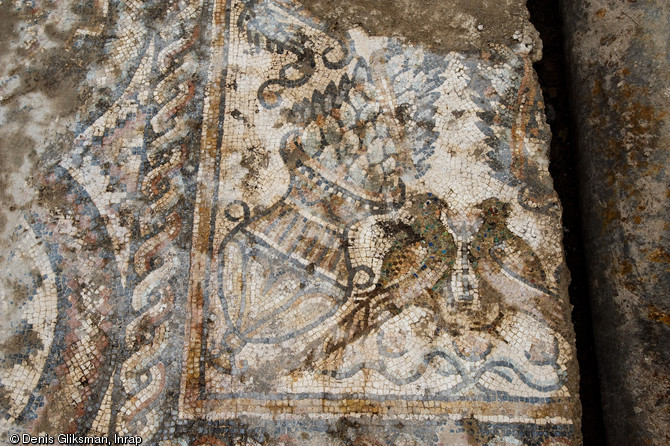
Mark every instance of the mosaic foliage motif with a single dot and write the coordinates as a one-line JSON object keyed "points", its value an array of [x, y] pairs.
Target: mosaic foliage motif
{"points": [[277, 235]]}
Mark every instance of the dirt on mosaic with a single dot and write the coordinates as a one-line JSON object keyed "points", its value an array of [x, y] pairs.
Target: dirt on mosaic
{"points": [[272, 222]]}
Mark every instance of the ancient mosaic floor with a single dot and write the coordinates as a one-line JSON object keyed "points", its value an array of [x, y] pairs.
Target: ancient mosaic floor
{"points": [[266, 232]]}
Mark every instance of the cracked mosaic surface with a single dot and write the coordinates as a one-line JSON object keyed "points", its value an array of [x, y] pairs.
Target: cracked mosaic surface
{"points": [[276, 235]]}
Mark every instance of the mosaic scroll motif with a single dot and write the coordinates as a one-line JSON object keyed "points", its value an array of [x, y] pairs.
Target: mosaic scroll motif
{"points": [[351, 269]]}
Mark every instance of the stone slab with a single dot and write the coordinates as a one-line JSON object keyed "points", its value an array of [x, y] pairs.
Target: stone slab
{"points": [[618, 55]]}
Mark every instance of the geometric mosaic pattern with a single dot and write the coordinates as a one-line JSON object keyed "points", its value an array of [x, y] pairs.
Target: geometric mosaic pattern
{"points": [[273, 235]]}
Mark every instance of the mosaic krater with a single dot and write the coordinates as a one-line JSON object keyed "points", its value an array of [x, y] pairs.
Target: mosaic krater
{"points": [[359, 244]]}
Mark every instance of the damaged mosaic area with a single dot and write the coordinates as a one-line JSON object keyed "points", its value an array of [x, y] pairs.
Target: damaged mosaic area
{"points": [[274, 234]]}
